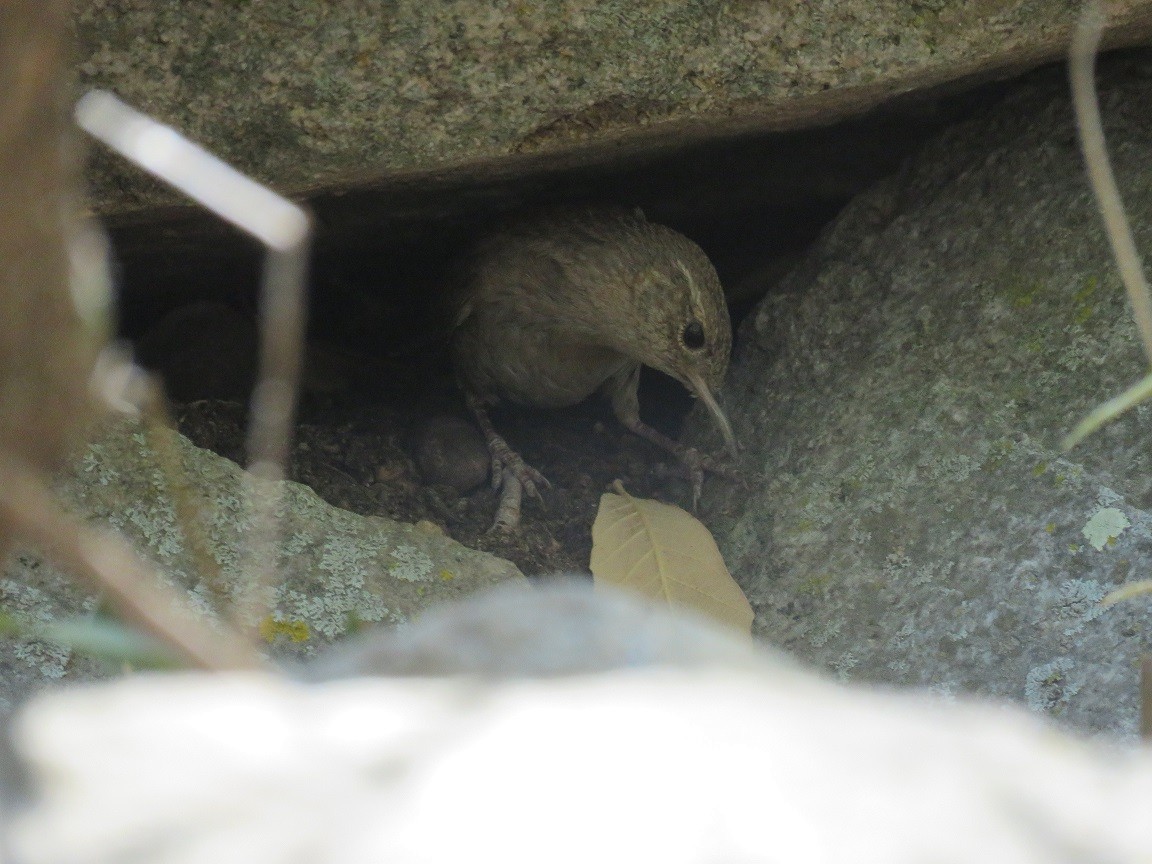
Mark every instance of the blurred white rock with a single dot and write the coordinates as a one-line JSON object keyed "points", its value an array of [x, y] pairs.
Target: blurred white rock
{"points": [[728, 754]]}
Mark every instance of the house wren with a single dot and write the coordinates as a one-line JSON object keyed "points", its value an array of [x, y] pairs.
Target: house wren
{"points": [[556, 308]]}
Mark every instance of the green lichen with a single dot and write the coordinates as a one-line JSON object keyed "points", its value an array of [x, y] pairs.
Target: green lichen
{"points": [[817, 583], [1084, 301], [295, 630], [1021, 295]]}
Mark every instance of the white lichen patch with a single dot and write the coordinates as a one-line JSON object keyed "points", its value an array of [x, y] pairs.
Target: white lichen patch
{"points": [[952, 468], [327, 606], [32, 604], [1106, 525], [346, 558], [157, 527], [1080, 602], [95, 464], [844, 664], [1047, 687], [329, 610], [896, 563], [830, 630], [944, 691], [903, 638], [25, 600], [925, 574], [412, 565], [48, 658]]}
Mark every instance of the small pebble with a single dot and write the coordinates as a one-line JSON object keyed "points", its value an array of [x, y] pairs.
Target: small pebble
{"points": [[451, 452]]}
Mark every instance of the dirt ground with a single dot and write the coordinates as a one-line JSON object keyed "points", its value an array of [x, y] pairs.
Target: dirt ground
{"points": [[376, 373], [357, 448]]}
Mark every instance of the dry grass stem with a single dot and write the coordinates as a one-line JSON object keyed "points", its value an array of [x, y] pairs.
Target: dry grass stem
{"points": [[54, 301], [272, 412], [160, 433], [1082, 60], [1146, 698], [285, 230], [1081, 71]]}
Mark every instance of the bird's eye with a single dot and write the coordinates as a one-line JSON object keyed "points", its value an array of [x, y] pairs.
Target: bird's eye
{"points": [[693, 335]]}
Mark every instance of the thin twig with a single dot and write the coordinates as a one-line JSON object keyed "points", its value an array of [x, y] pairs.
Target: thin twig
{"points": [[273, 410], [1127, 592], [1146, 698], [1110, 410], [285, 230], [160, 433], [1081, 63]]}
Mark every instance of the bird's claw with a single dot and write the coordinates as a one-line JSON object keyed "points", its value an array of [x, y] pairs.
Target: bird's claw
{"points": [[512, 476], [695, 464], [509, 461], [508, 510]]}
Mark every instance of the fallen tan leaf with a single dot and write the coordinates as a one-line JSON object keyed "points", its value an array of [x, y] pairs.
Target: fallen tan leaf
{"points": [[666, 554]]}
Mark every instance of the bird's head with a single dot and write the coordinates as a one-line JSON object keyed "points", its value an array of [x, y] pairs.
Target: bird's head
{"points": [[680, 309]]}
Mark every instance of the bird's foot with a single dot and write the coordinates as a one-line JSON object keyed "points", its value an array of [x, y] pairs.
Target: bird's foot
{"points": [[695, 464], [505, 460], [512, 476], [508, 510], [692, 460], [510, 473]]}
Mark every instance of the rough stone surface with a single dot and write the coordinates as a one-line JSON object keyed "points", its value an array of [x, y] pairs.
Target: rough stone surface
{"points": [[308, 95], [335, 568], [687, 747], [903, 399]]}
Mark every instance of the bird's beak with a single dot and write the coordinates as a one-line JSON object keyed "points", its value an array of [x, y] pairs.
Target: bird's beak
{"points": [[696, 385]]}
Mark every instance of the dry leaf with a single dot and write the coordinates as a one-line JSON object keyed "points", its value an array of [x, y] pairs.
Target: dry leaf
{"points": [[666, 554]]}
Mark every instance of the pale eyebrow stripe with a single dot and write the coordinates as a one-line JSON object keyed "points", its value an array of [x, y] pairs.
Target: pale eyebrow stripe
{"points": [[693, 288]]}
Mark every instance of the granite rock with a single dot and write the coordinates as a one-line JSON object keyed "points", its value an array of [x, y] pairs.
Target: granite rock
{"points": [[913, 518], [308, 95], [335, 570]]}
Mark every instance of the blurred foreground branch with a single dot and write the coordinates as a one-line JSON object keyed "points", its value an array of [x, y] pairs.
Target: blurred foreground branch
{"points": [[55, 301]]}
